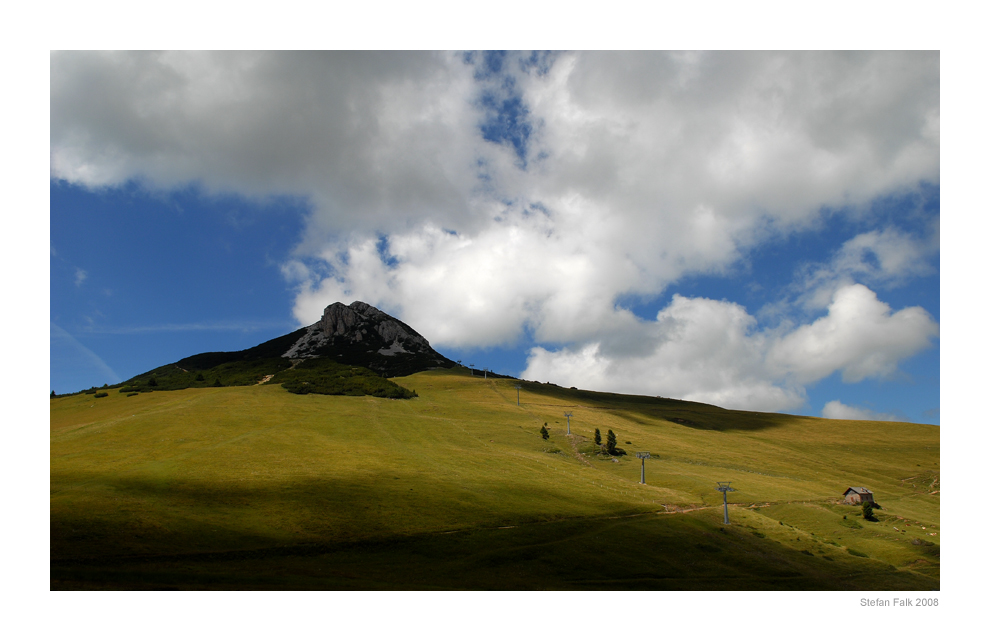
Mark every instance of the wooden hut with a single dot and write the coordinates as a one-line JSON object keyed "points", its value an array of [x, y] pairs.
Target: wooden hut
{"points": [[857, 495]]}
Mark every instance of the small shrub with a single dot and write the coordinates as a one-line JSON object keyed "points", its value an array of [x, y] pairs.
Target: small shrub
{"points": [[322, 376], [152, 382], [199, 377], [868, 511], [217, 383], [100, 395], [544, 433], [133, 394]]}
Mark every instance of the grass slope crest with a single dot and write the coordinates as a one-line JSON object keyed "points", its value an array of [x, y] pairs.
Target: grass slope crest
{"points": [[350, 351]]}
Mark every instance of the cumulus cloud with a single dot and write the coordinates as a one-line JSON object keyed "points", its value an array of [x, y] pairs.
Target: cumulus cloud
{"points": [[476, 290], [672, 162], [837, 409], [641, 169], [698, 349], [886, 255], [371, 139], [80, 276], [890, 257], [713, 351], [859, 337]]}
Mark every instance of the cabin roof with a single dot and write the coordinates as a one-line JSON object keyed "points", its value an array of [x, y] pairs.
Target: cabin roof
{"points": [[857, 490]]}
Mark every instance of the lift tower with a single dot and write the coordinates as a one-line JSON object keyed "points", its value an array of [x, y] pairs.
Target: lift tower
{"points": [[642, 471], [723, 487]]}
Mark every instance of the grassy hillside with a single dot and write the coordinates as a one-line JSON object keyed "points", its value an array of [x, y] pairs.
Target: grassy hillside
{"points": [[254, 487], [254, 367]]}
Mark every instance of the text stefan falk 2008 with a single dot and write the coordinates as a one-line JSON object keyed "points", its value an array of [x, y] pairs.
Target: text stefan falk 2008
{"points": [[899, 603]]}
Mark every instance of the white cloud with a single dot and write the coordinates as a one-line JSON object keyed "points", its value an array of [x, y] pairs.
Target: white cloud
{"points": [[80, 276], [645, 168], [675, 162], [712, 351], [476, 290], [888, 256], [859, 337], [372, 139], [836, 409], [697, 349]]}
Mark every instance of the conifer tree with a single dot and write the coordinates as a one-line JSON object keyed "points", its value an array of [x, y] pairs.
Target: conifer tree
{"points": [[610, 442], [544, 433], [868, 511], [598, 436]]}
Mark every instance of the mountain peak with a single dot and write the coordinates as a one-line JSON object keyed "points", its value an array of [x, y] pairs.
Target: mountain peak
{"points": [[361, 334]]}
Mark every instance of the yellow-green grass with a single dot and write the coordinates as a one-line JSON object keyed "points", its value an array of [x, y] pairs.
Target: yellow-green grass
{"points": [[250, 487]]}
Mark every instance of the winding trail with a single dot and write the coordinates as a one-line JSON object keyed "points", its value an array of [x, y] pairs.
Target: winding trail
{"points": [[578, 455]]}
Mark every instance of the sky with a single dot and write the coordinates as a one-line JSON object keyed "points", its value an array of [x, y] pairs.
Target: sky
{"points": [[750, 229]]}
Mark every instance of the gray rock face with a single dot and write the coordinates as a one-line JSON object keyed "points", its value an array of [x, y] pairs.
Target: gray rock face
{"points": [[338, 320], [353, 320], [360, 334]]}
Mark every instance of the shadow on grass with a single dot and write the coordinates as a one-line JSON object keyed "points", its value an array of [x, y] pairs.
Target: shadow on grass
{"points": [[648, 551], [648, 409], [108, 516]]}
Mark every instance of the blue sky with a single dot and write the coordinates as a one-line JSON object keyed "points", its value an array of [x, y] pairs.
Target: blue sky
{"points": [[759, 231]]}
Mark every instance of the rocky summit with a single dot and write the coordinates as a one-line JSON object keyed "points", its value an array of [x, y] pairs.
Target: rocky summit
{"points": [[359, 334]]}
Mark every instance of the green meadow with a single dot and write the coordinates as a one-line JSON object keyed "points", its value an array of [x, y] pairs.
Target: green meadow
{"points": [[257, 488]]}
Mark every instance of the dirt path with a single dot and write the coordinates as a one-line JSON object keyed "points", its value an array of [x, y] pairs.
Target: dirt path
{"points": [[265, 379], [578, 455]]}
